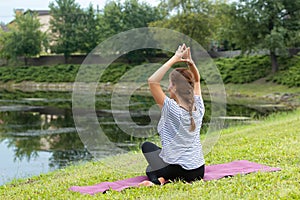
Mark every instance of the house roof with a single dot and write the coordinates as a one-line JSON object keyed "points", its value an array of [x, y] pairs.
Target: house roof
{"points": [[39, 12], [4, 27]]}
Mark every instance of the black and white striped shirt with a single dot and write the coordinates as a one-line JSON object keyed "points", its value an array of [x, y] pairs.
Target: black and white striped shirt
{"points": [[179, 145]]}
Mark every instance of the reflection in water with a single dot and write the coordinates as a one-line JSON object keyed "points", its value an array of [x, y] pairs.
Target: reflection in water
{"points": [[37, 134], [67, 157], [37, 131], [12, 167]]}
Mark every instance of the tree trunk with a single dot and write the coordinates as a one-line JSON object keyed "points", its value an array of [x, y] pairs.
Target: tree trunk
{"points": [[66, 58], [25, 60], [274, 62]]}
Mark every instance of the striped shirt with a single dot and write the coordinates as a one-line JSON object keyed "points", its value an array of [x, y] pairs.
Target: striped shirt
{"points": [[179, 145]]}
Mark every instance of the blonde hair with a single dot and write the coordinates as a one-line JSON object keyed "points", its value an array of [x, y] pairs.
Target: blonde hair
{"points": [[184, 81]]}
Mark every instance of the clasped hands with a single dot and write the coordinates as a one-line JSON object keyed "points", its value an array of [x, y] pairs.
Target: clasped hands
{"points": [[183, 54]]}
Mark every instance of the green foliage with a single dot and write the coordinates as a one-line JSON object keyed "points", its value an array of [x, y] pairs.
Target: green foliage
{"points": [[5, 38], [243, 69], [289, 73], [222, 12], [185, 23], [238, 70], [60, 73], [57, 73], [64, 26], [88, 31], [73, 29], [111, 18], [119, 17], [246, 69], [114, 72], [261, 24], [264, 24], [24, 39], [194, 18]]}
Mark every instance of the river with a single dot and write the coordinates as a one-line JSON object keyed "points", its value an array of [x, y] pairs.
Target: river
{"points": [[38, 133]]}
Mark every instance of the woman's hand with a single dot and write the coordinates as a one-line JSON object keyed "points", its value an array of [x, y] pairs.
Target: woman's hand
{"points": [[181, 53], [188, 57]]}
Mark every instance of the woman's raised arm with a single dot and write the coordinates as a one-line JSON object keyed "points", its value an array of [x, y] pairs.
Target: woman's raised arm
{"points": [[194, 70], [154, 80]]}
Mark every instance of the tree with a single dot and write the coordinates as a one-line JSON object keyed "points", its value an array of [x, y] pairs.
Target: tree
{"points": [[88, 30], [177, 5], [194, 18], [111, 19], [117, 17], [4, 41], [221, 11], [137, 15], [265, 24], [24, 37], [64, 26]]}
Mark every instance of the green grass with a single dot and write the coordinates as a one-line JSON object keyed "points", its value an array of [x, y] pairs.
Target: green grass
{"points": [[273, 142], [262, 91], [259, 89], [258, 92]]}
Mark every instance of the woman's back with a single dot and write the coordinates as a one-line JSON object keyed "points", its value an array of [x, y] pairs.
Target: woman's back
{"points": [[179, 144]]}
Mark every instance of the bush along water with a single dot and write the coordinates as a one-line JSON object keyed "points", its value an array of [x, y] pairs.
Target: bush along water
{"points": [[238, 70], [289, 73], [244, 69]]}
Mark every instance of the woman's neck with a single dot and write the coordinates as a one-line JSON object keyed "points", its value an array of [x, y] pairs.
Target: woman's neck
{"points": [[182, 104]]}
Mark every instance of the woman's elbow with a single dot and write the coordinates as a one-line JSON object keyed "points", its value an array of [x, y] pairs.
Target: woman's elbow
{"points": [[151, 81]]}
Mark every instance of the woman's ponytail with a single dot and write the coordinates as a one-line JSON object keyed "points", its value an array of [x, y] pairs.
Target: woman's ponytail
{"points": [[191, 106], [184, 81]]}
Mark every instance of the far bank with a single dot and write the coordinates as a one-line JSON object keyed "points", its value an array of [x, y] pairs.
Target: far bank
{"points": [[255, 91], [244, 77]]}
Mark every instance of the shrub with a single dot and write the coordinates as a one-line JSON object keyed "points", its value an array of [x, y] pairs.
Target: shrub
{"points": [[289, 73], [243, 69]]}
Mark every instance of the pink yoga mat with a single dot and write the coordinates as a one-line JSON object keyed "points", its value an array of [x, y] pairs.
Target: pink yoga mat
{"points": [[212, 172]]}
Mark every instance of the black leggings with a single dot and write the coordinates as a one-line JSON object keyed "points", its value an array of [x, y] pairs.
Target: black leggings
{"points": [[158, 168]]}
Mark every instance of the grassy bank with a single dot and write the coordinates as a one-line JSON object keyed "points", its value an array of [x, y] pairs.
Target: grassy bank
{"points": [[263, 91], [274, 142], [238, 70]]}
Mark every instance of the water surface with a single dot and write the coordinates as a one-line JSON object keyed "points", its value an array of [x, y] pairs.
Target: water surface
{"points": [[38, 135]]}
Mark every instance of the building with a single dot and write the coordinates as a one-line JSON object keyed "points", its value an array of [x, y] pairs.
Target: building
{"points": [[3, 27], [43, 16]]}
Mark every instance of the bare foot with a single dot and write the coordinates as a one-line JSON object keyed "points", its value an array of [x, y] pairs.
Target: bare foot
{"points": [[146, 183], [162, 180], [149, 183]]}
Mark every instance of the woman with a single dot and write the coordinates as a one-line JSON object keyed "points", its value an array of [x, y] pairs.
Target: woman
{"points": [[181, 155]]}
